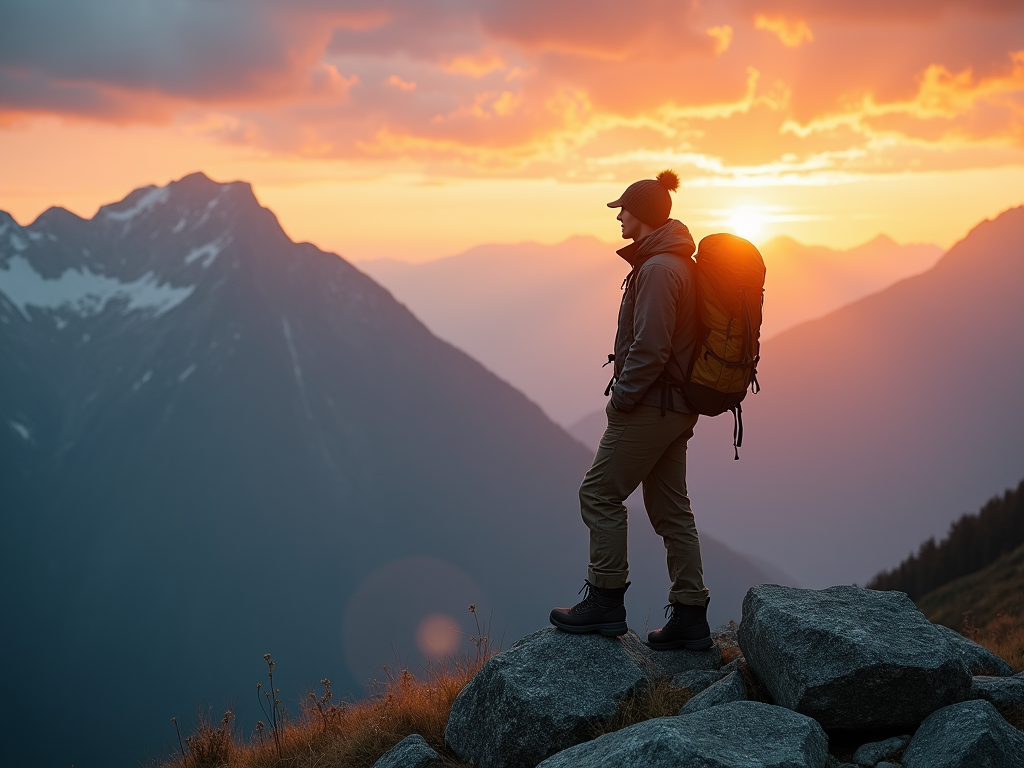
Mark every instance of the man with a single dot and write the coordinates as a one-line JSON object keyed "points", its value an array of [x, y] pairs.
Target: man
{"points": [[649, 425]]}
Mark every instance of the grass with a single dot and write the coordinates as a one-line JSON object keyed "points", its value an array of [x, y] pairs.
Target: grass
{"points": [[339, 734], [1003, 635]]}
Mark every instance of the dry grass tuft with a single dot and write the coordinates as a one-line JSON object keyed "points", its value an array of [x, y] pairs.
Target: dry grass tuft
{"points": [[660, 699], [327, 733], [1003, 635]]}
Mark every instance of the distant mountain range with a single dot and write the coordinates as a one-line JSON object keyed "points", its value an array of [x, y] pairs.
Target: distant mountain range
{"points": [[217, 443], [543, 317]]}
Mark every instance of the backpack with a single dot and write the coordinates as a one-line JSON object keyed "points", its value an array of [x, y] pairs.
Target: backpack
{"points": [[729, 284]]}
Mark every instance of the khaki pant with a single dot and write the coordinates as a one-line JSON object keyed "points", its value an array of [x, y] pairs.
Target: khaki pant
{"points": [[643, 446]]}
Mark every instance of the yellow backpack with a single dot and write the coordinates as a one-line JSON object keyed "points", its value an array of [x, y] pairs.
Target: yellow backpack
{"points": [[729, 284]]}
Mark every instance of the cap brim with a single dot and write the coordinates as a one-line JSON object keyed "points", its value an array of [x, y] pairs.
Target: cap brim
{"points": [[615, 203]]}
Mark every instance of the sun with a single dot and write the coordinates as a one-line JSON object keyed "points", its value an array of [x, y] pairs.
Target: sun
{"points": [[747, 222]]}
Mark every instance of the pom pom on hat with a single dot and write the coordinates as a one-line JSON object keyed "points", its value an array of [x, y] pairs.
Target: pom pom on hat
{"points": [[669, 180]]}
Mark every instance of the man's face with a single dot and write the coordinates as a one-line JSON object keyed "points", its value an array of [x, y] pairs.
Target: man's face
{"points": [[631, 225]]}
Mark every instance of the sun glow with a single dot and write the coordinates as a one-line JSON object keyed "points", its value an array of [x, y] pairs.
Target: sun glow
{"points": [[747, 222]]}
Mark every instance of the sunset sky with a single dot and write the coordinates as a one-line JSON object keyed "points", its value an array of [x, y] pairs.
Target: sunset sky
{"points": [[417, 129]]}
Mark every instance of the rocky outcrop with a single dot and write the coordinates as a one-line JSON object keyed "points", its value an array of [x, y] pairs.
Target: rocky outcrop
{"points": [[979, 660], [743, 734], [549, 691], [842, 658], [411, 752], [850, 658], [729, 688], [971, 734]]}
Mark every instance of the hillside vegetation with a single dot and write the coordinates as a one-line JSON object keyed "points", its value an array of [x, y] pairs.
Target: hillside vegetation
{"points": [[973, 542]]}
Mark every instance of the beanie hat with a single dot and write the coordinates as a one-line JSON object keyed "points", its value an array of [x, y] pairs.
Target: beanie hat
{"points": [[648, 199]]}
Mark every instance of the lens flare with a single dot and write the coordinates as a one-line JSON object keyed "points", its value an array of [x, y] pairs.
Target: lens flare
{"points": [[437, 635]]}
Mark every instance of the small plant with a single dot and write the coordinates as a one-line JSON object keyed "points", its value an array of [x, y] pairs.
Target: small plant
{"points": [[272, 701], [210, 746]]}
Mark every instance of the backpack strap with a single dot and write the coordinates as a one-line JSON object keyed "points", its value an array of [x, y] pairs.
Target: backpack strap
{"points": [[737, 430]]}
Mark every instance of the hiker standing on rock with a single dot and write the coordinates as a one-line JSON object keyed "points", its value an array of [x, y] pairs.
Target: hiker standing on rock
{"points": [[649, 424]]}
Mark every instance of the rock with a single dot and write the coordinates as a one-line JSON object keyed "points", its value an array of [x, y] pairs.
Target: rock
{"points": [[734, 665], [979, 660], [730, 688], [411, 752], [668, 664], [549, 691], [1001, 691], [1006, 693], [971, 734], [848, 657], [696, 680], [874, 752], [743, 734], [887, 764]]}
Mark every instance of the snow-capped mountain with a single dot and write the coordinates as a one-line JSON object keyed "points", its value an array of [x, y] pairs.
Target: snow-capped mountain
{"points": [[217, 443]]}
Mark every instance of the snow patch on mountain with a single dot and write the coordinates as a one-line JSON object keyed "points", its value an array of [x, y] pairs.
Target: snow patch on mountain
{"points": [[208, 252], [152, 197], [83, 292], [21, 429]]}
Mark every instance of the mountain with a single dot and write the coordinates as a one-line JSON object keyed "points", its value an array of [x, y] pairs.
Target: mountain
{"points": [[216, 443], [880, 423], [808, 281], [543, 317]]}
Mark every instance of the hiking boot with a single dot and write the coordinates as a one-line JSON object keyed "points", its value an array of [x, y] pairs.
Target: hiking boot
{"points": [[686, 629], [601, 612]]}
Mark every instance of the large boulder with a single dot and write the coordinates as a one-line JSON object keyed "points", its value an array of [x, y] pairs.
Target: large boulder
{"points": [[744, 734], [411, 752], [849, 657], [549, 691], [971, 734], [979, 660], [730, 688]]}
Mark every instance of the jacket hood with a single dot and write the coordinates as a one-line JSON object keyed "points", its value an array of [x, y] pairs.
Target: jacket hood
{"points": [[671, 237]]}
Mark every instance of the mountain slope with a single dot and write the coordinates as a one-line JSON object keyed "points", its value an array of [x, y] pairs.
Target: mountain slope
{"points": [[880, 423], [995, 589], [543, 317], [212, 448]]}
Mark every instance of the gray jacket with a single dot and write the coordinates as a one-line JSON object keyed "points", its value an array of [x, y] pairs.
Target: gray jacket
{"points": [[657, 330]]}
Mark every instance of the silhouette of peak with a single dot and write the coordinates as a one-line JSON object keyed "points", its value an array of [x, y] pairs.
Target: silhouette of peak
{"points": [[193, 191]]}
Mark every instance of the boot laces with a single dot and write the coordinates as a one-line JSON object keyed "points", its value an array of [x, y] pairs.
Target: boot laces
{"points": [[675, 618], [588, 599]]}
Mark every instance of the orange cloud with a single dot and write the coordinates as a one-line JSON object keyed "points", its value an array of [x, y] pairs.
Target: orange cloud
{"points": [[401, 84], [532, 88], [722, 35], [963, 107], [792, 34]]}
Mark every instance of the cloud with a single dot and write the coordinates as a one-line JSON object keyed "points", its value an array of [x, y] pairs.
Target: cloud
{"points": [[792, 33], [571, 89]]}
